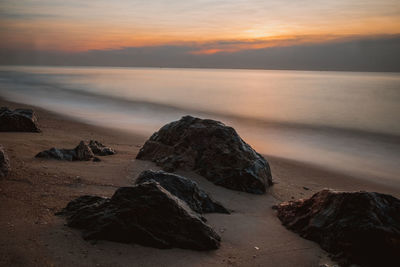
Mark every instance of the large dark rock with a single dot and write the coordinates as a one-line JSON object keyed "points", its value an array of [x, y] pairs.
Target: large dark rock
{"points": [[145, 214], [355, 227], [4, 163], [211, 149], [19, 120], [184, 189], [84, 151]]}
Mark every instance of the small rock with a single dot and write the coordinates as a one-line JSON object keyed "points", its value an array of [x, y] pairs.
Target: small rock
{"points": [[306, 188], [19, 120], [100, 149], [96, 159], [81, 152]]}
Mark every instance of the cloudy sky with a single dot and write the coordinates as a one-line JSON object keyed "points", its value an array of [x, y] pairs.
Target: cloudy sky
{"points": [[198, 27]]}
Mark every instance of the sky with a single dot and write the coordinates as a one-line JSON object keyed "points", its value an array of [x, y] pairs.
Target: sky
{"points": [[197, 27]]}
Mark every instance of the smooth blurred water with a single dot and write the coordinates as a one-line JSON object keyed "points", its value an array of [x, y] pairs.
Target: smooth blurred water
{"points": [[346, 121]]}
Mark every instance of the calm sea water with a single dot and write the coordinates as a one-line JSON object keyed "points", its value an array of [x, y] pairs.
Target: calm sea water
{"points": [[345, 121]]}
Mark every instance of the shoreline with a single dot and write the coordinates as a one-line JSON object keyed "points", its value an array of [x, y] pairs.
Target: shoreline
{"points": [[36, 189]]}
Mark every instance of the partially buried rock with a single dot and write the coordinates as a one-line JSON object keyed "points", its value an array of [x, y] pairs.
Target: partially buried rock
{"points": [[4, 163], [355, 227], [145, 214], [83, 152], [184, 189], [212, 150], [19, 120], [60, 154]]}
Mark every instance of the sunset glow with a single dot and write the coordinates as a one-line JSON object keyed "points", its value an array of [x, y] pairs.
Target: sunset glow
{"points": [[209, 26]]}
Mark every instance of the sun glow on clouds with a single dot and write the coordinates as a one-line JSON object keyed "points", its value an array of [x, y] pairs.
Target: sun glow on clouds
{"points": [[209, 26]]}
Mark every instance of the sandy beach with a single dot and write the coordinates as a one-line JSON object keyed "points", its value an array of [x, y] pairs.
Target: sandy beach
{"points": [[31, 235]]}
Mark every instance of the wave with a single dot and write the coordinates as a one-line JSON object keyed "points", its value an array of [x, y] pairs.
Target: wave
{"points": [[43, 85]]}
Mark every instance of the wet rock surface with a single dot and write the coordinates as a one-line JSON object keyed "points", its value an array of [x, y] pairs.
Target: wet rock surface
{"points": [[4, 163], [212, 150], [82, 152], [18, 120], [184, 189], [355, 227], [145, 214]]}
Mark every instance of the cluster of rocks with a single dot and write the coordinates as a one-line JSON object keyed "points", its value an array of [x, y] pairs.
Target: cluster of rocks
{"points": [[19, 120], [355, 227], [147, 214], [210, 149], [4, 163], [165, 210], [84, 151]]}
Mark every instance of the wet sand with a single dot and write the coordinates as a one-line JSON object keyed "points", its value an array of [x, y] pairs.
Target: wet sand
{"points": [[35, 189]]}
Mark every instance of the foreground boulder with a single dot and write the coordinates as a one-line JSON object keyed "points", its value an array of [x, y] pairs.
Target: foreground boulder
{"points": [[184, 189], [145, 214], [83, 151], [4, 163], [355, 227], [19, 120], [212, 150]]}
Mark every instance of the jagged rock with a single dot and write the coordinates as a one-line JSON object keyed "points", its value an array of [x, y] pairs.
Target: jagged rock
{"points": [[212, 150], [100, 149], [19, 120], [145, 214], [355, 227], [4, 163], [82, 152], [184, 189]]}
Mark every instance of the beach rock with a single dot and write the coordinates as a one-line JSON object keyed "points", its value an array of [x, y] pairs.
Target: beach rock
{"points": [[145, 214], [355, 227], [4, 163], [59, 154], [19, 120], [82, 152], [184, 189], [100, 149], [212, 150]]}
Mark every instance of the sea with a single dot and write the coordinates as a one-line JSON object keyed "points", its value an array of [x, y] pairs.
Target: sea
{"points": [[348, 122]]}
